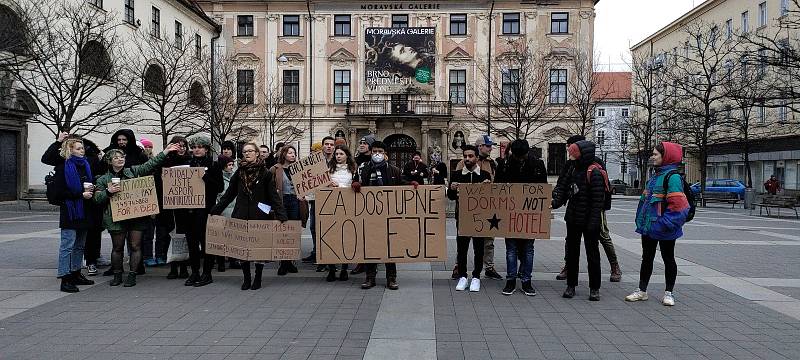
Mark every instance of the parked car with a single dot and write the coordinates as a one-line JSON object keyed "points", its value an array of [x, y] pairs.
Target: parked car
{"points": [[722, 185], [618, 187]]}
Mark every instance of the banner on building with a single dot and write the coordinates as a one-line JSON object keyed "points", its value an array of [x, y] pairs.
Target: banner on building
{"points": [[504, 210], [309, 174], [184, 187], [136, 199], [400, 60], [382, 224], [253, 240]]}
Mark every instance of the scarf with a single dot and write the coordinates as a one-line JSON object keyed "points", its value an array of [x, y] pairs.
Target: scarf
{"points": [[376, 176], [249, 172], [75, 186]]}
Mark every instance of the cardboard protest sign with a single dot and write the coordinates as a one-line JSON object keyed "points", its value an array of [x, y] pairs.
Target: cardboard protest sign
{"points": [[184, 188], [504, 210], [310, 173], [136, 199], [253, 240], [381, 224]]}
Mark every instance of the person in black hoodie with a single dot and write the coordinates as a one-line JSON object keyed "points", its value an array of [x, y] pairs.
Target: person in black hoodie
{"points": [[167, 220], [74, 189], [520, 167], [125, 140], [416, 170], [197, 218], [584, 217], [251, 184]]}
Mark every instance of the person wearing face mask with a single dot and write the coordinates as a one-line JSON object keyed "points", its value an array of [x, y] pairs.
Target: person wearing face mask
{"points": [[196, 219], [378, 172], [660, 225], [416, 170], [342, 168], [285, 187], [107, 187], [251, 185], [470, 174]]}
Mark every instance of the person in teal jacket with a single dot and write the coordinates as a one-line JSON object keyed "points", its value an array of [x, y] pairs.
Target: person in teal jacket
{"points": [[131, 229], [659, 228]]}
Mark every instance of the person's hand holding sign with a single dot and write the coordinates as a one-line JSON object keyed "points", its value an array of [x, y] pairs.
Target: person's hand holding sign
{"points": [[356, 186]]}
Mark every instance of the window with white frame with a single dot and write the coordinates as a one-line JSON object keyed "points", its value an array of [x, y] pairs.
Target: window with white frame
{"points": [[559, 23], [458, 86], [155, 22], [341, 25], [783, 111], [762, 112], [458, 24], [198, 46], [623, 137], [784, 7], [245, 87], [400, 21], [341, 86], [178, 35], [729, 29], [244, 25], [129, 14], [625, 112], [291, 86], [601, 137], [511, 23], [558, 86], [762, 62], [745, 22], [601, 112], [510, 86], [291, 25], [762, 14]]}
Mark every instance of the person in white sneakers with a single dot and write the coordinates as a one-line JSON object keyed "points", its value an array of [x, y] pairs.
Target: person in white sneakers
{"points": [[663, 209], [471, 173]]}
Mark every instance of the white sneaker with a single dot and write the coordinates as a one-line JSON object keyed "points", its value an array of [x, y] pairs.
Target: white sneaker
{"points": [[92, 270], [462, 284], [637, 295], [475, 285], [668, 299]]}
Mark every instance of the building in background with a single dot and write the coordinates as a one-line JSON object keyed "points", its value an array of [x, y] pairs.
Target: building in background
{"points": [[612, 118]]}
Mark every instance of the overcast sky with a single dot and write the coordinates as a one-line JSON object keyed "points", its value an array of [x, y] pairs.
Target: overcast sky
{"points": [[623, 23]]}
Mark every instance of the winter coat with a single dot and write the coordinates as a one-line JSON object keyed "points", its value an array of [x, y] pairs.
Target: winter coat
{"points": [[464, 176], [392, 177], [363, 158], [439, 179], [587, 202], [246, 208], [226, 179], [421, 172], [102, 197], [485, 163], [93, 215], [532, 170], [563, 189], [649, 219], [187, 218], [134, 155]]}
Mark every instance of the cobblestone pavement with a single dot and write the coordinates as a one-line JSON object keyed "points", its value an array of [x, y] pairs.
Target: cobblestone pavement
{"points": [[738, 297]]}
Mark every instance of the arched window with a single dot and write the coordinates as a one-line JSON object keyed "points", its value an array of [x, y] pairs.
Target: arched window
{"points": [[94, 60], [13, 37], [196, 95], [154, 80]]}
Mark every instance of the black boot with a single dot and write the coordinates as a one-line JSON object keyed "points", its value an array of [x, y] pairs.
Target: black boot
{"points": [[594, 295], [220, 264], [247, 281], [282, 270], [67, 285], [511, 286], [290, 267], [257, 280], [108, 272], [569, 292], [140, 268], [331, 274], [131, 280], [343, 275], [204, 280], [369, 282], [117, 280], [192, 279], [173, 271], [79, 279]]}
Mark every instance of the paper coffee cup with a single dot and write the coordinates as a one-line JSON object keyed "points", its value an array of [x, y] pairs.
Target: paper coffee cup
{"points": [[115, 180], [87, 186]]}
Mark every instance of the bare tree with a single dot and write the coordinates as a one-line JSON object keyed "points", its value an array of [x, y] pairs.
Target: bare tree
{"points": [[281, 121], [586, 90], [699, 77], [171, 85], [226, 111], [519, 99], [647, 97], [71, 67]]}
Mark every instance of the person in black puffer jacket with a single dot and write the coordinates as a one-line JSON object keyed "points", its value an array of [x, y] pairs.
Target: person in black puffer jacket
{"points": [[520, 167], [584, 217]]}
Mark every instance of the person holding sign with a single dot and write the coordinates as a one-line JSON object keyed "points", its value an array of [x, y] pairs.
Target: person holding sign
{"points": [[520, 167], [343, 169], [285, 187], [378, 172], [253, 188], [584, 217], [196, 218], [328, 143], [471, 173], [107, 186]]}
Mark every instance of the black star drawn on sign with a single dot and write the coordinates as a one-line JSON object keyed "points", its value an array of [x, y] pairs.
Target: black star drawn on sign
{"points": [[494, 222]]}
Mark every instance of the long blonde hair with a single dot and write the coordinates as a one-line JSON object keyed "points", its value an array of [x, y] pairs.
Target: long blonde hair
{"points": [[66, 146]]}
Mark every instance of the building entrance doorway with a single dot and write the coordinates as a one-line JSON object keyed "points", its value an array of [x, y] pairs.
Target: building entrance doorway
{"points": [[400, 148]]}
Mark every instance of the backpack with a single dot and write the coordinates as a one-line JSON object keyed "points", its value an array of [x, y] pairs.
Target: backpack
{"points": [[51, 192], [604, 173], [687, 190]]}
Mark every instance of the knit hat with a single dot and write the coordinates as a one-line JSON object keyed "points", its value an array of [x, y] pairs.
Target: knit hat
{"points": [[146, 142], [316, 147], [224, 160], [369, 139], [575, 151], [201, 140]]}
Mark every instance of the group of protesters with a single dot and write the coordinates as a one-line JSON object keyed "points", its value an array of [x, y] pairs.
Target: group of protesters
{"points": [[86, 178]]}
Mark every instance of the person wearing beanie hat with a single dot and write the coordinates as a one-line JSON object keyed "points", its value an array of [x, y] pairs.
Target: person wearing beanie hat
{"points": [[148, 147], [228, 149], [364, 147], [659, 219]]}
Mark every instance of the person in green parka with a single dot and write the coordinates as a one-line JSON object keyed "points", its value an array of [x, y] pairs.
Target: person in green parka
{"points": [[131, 229]]}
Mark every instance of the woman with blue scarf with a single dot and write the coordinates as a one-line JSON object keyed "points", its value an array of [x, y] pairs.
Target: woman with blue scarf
{"points": [[73, 182]]}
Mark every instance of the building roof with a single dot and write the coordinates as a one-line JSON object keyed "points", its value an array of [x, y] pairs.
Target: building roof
{"points": [[197, 10], [612, 86], [691, 14]]}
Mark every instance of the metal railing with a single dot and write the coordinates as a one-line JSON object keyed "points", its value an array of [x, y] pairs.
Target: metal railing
{"points": [[400, 107]]}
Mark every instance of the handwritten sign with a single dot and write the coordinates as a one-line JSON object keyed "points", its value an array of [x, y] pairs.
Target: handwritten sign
{"points": [[184, 188], [519, 211], [136, 199], [253, 240], [383, 224], [309, 174]]}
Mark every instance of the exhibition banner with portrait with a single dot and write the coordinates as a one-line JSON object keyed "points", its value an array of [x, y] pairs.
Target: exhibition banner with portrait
{"points": [[400, 60]]}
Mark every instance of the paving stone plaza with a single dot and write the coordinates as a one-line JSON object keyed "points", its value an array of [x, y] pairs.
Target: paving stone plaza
{"points": [[737, 297]]}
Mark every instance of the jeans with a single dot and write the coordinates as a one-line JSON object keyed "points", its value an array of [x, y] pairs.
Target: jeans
{"points": [[70, 251], [477, 252], [522, 250], [667, 254], [574, 234]]}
